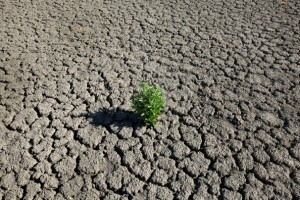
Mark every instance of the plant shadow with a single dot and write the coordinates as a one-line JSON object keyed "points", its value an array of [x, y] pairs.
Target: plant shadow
{"points": [[117, 117]]}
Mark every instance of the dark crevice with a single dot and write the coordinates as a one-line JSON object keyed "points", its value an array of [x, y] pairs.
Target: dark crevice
{"points": [[120, 191], [38, 112], [242, 191], [11, 129], [2, 188], [57, 190], [222, 185], [77, 171], [24, 191], [121, 154], [212, 161], [75, 136], [265, 182], [50, 117], [38, 181]]}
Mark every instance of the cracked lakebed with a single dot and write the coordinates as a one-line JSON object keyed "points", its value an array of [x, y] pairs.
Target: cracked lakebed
{"points": [[229, 71]]}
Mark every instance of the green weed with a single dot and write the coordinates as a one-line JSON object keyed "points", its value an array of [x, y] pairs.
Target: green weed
{"points": [[148, 103]]}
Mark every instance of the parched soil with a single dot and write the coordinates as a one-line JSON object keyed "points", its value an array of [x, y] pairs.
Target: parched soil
{"points": [[230, 73]]}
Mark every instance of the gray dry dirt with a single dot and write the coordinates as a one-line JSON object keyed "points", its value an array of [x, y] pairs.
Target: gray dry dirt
{"points": [[229, 70]]}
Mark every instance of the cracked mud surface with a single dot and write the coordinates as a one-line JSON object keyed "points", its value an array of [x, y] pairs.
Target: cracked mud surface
{"points": [[230, 74]]}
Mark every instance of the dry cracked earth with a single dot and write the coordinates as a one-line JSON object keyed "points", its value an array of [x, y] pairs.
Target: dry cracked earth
{"points": [[229, 70]]}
